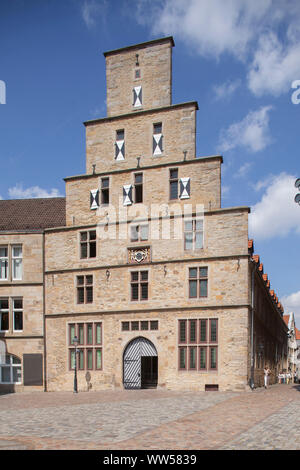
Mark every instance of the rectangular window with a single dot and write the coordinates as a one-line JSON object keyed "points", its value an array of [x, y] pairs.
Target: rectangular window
{"points": [[134, 325], [202, 350], [89, 355], [88, 244], [81, 334], [193, 235], [182, 331], [138, 187], [153, 325], [89, 359], [104, 190], [139, 285], [71, 334], [4, 314], [98, 359], [89, 333], [125, 325], [137, 325], [192, 358], [98, 334], [182, 358], [18, 314], [174, 183], [213, 358], [3, 263], [193, 331], [203, 331], [213, 331], [84, 289], [202, 358], [17, 262], [198, 282], [139, 233]]}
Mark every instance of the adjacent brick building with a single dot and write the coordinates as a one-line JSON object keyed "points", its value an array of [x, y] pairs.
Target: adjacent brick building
{"points": [[157, 281]]}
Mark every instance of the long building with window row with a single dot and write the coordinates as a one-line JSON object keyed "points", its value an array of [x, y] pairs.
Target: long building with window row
{"points": [[140, 262]]}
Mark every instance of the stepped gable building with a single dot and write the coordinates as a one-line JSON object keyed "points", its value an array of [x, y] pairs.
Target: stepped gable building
{"points": [[156, 280]]}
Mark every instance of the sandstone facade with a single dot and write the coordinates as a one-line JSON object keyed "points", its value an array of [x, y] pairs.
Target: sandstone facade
{"points": [[156, 280]]}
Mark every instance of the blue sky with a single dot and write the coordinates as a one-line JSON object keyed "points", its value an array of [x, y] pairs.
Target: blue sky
{"points": [[238, 59]]}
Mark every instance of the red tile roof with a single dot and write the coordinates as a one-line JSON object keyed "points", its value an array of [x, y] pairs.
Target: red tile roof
{"points": [[286, 319], [32, 214], [297, 333]]}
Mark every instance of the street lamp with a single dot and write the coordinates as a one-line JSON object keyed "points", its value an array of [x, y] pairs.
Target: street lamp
{"points": [[76, 350], [297, 185]]}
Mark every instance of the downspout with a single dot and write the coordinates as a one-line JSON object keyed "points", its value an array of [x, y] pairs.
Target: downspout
{"points": [[251, 382], [44, 319]]}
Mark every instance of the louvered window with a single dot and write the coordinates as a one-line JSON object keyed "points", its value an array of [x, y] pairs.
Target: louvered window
{"points": [[120, 145], [94, 199], [137, 96], [157, 139], [127, 195], [185, 188]]}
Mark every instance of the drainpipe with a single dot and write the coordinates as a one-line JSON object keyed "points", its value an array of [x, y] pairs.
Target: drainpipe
{"points": [[251, 381]]}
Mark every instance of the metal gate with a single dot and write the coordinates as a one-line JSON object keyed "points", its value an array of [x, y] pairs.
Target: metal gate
{"points": [[137, 348]]}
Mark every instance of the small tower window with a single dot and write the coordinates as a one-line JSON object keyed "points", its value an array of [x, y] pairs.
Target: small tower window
{"points": [[157, 139], [120, 145], [137, 96]]}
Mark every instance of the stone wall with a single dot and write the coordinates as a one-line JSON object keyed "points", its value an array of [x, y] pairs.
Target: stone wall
{"points": [[178, 129], [154, 68], [205, 181], [232, 347]]}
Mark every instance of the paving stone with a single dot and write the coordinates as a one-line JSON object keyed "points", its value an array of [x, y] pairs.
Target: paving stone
{"points": [[154, 420]]}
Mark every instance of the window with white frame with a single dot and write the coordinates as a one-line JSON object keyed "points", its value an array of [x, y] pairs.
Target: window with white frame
{"points": [[17, 259], [10, 369], [193, 234], [17, 314], [3, 263], [4, 314]]}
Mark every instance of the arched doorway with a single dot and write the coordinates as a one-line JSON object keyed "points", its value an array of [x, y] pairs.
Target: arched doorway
{"points": [[140, 364]]}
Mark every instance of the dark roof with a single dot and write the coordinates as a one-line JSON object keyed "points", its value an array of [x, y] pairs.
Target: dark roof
{"points": [[32, 214], [141, 45]]}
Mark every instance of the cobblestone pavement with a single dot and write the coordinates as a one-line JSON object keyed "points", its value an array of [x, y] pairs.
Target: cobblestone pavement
{"points": [[152, 419]]}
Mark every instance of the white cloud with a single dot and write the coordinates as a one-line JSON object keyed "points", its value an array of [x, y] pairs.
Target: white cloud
{"points": [[225, 90], [92, 10], [251, 132], [262, 34], [276, 214], [225, 191], [18, 192], [211, 27], [243, 170], [274, 66], [291, 303]]}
